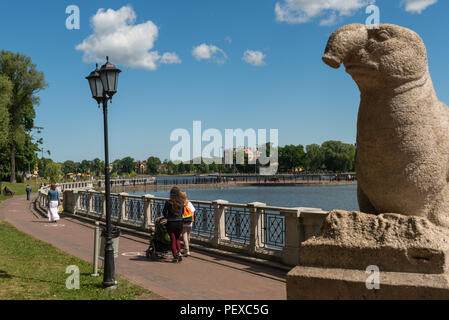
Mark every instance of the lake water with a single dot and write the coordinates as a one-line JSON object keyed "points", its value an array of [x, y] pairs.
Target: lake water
{"points": [[323, 196]]}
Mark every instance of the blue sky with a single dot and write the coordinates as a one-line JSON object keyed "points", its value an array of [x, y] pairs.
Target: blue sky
{"points": [[292, 91]]}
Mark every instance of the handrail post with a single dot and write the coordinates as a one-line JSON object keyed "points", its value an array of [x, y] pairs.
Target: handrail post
{"points": [[123, 213], [90, 200], [219, 221], [293, 237], [103, 196], [255, 225], [299, 226], [148, 211]]}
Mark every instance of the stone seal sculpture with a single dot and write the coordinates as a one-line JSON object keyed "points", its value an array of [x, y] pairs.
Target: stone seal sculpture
{"points": [[402, 172], [402, 159]]}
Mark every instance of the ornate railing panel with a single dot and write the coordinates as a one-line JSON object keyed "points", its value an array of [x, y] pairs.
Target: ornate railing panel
{"points": [[273, 230], [97, 204], [158, 207], [134, 209], [83, 202], [204, 219], [237, 224], [115, 206]]}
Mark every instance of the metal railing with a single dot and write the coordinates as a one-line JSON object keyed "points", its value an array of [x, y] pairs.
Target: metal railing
{"points": [[255, 229]]}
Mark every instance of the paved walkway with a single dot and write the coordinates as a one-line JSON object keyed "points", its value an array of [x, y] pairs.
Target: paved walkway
{"points": [[203, 276]]}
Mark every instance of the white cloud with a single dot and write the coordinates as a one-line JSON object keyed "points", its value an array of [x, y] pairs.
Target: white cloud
{"points": [[127, 44], [254, 58], [330, 21], [228, 39], [209, 52], [170, 58], [301, 11], [417, 6]]}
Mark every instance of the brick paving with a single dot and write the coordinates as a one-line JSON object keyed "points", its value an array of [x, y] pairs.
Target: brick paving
{"points": [[204, 276]]}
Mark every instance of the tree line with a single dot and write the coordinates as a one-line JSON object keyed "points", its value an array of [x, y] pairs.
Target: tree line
{"points": [[331, 156]]}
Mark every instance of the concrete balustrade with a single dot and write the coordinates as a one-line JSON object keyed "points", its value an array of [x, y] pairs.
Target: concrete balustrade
{"points": [[267, 232]]}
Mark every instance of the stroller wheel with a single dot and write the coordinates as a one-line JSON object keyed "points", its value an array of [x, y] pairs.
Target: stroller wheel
{"points": [[151, 253]]}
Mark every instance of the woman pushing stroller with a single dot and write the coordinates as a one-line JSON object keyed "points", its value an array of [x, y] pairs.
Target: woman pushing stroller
{"points": [[173, 211]]}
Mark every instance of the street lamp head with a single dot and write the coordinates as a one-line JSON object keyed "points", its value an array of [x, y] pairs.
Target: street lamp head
{"points": [[109, 78], [96, 86]]}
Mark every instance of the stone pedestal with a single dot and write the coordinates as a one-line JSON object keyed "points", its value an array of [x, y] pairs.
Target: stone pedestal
{"points": [[409, 253]]}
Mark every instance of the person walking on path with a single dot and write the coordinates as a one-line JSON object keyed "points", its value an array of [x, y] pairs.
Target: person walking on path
{"points": [[173, 211], [28, 190], [188, 217], [53, 202]]}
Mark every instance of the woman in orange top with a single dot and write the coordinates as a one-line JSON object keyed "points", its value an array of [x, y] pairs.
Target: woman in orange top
{"points": [[187, 226]]}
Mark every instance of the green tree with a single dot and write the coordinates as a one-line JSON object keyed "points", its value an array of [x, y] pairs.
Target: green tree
{"points": [[153, 165], [291, 157], [203, 167], [86, 166], [54, 172], [338, 156], [172, 168], [26, 82], [117, 166], [5, 99], [69, 167], [314, 159], [127, 165], [213, 167], [98, 166]]}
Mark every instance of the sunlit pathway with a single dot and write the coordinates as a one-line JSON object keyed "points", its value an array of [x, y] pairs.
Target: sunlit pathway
{"points": [[201, 277]]}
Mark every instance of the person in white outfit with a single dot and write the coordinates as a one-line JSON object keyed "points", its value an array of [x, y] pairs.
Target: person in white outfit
{"points": [[187, 226], [53, 202]]}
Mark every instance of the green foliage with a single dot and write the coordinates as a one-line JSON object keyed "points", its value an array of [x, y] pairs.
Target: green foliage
{"points": [[291, 157], [35, 270], [153, 165], [5, 98], [315, 157], [20, 77], [54, 172], [338, 156], [333, 156]]}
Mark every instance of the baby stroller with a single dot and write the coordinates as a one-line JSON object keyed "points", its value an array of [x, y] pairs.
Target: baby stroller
{"points": [[160, 242]]}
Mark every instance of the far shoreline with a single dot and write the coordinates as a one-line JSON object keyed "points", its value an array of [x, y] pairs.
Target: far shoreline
{"points": [[228, 185]]}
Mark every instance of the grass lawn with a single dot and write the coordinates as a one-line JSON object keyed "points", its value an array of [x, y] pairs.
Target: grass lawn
{"points": [[18, 188], [34, 270]]}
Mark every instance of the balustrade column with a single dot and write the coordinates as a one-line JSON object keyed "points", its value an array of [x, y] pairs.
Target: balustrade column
{"points": [[68, 201], [300, 225], [148, 211], [293, 237], [123, 213], [103, 214], [90, 199], [76, 199], [219, 221], [255, 225]]}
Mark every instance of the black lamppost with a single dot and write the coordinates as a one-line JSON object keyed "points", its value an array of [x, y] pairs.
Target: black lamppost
{"points": [[103, 84]]}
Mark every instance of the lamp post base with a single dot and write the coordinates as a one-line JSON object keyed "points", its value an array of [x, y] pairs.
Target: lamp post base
{"points": [[110, 285]]}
